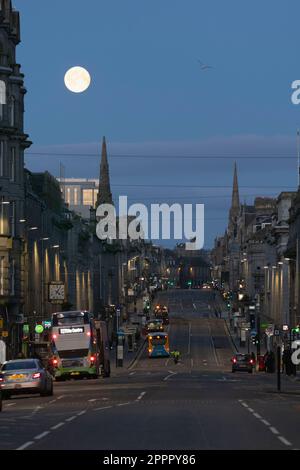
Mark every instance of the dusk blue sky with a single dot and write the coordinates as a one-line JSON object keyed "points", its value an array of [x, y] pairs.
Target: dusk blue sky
{"points": [[150, 97]]}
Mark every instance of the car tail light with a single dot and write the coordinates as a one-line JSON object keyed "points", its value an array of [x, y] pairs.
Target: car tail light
{"points": [[37, 375], [54, 336], [234, 360], [55, 362], [1, 379], [88, 333], [251, 361], [92, 358]]}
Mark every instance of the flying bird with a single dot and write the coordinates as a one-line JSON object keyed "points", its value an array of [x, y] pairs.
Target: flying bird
{"points": [[205, 66]]}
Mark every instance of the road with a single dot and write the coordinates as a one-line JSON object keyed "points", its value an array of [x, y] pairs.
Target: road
{"points": [[155, 404]]}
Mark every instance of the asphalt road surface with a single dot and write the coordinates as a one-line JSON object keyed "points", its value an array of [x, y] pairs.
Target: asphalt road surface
{"points": [[155, 404]]}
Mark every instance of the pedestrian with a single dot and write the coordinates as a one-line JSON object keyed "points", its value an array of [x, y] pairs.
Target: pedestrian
{"points": [[270, 362]]}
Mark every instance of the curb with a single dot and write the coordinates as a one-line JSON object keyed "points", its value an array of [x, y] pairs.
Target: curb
{"points": [[235, 348], [138, 354]]}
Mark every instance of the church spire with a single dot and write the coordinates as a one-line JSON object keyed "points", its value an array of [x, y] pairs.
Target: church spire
{"points": [[235, 203], [104, 194]]}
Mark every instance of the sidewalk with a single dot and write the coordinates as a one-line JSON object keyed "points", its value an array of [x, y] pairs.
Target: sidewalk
{"points": [[134, 319]]}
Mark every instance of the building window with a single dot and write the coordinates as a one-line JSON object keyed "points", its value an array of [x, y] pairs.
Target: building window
{"points": [[4, 208], [1, 158], [12, 110], [88, 197], [12, 219], [75, 197], [2, 275], [2, 98], [13, 164], [68, 196]]}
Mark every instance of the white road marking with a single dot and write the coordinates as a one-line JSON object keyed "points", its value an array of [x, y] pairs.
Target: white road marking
{"points": [[40, 436], [71, 419], [274, 430], [266, 422], [123, 404], [57, 426], [195, 308], [59, 398], [103, 408], [81, 413], [24, 446], [284, 441], [92, 399], [52, 401], [141, 396], [10, 404], [271, 428], [170, 375], [132, 373]]}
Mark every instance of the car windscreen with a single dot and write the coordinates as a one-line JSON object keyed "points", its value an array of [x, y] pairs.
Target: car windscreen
{"points": [[242, 358], [19, 365]]}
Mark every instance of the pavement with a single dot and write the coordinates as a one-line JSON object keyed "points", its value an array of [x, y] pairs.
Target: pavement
{"points": [[155, 404]]}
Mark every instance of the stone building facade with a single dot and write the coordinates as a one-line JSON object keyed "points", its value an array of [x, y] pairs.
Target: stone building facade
{"points": [[13, 142]]}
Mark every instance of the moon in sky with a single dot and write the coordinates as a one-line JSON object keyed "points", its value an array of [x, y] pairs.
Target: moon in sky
{"points": [[77, 79]]}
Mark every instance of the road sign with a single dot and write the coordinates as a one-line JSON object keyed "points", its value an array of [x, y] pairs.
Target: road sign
{"points": [[4, 334]]}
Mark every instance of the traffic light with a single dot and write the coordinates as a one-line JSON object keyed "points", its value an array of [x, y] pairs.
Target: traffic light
{"points": [[255, 339], [296, 329], [228, 304]]}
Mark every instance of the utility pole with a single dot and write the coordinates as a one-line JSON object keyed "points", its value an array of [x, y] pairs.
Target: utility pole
{"points": [[258, 324]]}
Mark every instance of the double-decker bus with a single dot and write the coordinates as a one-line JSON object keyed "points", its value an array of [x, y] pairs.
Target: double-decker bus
{"points": [[158, 344], [74, 345]]}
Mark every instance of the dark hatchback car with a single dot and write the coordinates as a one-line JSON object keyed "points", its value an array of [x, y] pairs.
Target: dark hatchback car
{"points": [[243, 363]]}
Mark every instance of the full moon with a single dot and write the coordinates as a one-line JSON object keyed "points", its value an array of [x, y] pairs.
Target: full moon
{"points": [[77, 79]]}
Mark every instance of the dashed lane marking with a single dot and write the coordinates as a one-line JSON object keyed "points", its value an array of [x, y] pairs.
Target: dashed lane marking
{"points": [[92, 399], [266, 422], [123, 404], [284, 441], [81, 413], [140, 396], [24, 446], [40, 436], [103, 408], [275, 431], [57, 426], [71, 419]]}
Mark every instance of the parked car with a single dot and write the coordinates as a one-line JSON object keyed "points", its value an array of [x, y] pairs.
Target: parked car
{"points": [[21, 376], [242, 362]]}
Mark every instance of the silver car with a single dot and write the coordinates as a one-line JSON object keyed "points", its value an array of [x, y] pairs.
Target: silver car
{"points": [[21, 376]]}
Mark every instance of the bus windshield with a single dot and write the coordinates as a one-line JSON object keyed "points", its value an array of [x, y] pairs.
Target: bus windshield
{"points": [[70, 318]]}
